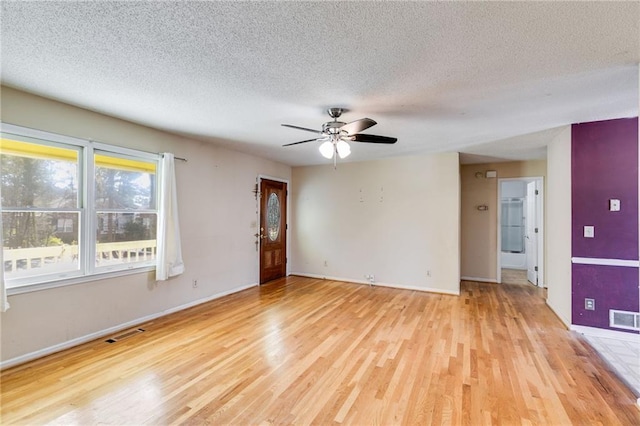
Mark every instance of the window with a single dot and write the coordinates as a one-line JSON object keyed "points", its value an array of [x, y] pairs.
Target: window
{"points": [[73, 208], [125, 203]]}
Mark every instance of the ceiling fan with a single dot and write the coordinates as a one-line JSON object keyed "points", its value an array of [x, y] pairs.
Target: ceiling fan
{"points": [[335, 135]]}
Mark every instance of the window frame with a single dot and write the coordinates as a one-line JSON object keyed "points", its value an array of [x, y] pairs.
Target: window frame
{"points": [[86, 205]]}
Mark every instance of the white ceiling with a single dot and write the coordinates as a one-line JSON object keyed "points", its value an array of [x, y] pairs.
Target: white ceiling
{"points": [[438, 76]]}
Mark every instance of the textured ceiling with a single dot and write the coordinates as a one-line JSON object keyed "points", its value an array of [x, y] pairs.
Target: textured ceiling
{"points": [[438, 76]]}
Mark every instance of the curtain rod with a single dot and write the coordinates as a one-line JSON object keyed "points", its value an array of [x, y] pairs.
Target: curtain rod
{"points": [[176, 158]]}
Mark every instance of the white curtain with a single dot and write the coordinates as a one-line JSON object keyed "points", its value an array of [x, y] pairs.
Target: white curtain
{"points": [[169, 251], [4, 303]]}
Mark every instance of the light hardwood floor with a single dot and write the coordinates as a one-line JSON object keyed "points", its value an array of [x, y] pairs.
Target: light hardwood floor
{"points": [[514, 276], [305, 351]]}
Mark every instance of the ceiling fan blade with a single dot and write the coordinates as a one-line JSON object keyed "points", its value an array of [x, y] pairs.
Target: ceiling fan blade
{"points": [[362, 137], [358, 126], [308, 140], [302, 128]]}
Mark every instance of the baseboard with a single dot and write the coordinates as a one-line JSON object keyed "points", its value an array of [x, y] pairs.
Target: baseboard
{"points": [[102, 333], [565, 321], [378, 284], [425, 289], [608, 334], [482, 280]]}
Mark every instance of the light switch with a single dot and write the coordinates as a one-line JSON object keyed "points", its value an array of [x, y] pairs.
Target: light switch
{"points": [[590, 304], [589, 231], [614, 205]]}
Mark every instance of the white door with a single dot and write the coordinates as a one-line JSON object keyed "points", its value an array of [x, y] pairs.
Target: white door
{"points": [[531, 237]]}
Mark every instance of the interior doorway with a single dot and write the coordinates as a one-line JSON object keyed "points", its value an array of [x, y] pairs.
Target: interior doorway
{"points": [[272, 235], [520, 231]]}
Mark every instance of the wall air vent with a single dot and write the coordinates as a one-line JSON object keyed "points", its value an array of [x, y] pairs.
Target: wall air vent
{"points": [[624, 319]]}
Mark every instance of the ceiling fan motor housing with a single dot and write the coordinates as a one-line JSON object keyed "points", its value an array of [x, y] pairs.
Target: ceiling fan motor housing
{"points": [[332, 127]]}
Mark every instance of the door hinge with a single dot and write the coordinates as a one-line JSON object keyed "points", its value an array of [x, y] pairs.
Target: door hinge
{"points": [[537, 192], [535, 268], [536, 230], [286, 226]]}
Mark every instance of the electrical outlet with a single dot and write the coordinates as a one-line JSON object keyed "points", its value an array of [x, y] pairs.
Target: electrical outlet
{"points": [[194, 283], [614, 205], [589, 304], [589, 231]]}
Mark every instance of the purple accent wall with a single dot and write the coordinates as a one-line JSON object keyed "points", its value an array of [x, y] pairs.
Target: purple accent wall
{"points": [[604, 165], [604, 158], [612, 287]]}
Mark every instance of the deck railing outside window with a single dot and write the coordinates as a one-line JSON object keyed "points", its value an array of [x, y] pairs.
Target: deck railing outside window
{"points": [[46, 260]]}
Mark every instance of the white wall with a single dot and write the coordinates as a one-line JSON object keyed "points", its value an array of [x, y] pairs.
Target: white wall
{"points": [[396, 219], [558, 221], [217, 215]]}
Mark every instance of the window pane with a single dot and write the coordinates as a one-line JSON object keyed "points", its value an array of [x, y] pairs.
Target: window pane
{"points": [[273, 217], [122, 183], [35, 244], [38, 176], [125, 237]]}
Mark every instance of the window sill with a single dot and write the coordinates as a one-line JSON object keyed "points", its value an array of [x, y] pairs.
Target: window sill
{"points": [[28, 288]]}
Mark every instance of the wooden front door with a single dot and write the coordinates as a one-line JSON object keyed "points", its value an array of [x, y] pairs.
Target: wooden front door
{"points": [[273, 230]]}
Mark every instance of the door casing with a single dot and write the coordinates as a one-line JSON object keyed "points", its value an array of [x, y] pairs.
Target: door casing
{"points": [[531, 237], [539, 219]]}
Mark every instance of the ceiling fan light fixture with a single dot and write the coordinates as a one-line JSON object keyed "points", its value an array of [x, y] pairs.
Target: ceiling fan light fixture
{"points": [[327, 150], [343, 149]]}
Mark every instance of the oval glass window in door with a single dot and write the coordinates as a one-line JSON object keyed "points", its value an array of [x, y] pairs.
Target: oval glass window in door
{"points": [[273, 217]]}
